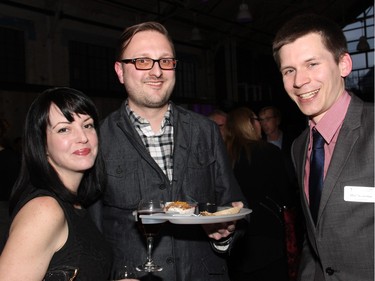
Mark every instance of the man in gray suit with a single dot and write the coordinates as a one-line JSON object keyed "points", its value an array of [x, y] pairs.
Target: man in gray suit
{"points": [[313, 58]]}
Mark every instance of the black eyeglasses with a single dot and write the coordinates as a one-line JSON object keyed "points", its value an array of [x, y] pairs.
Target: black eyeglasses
{"points": [[147, 63]]}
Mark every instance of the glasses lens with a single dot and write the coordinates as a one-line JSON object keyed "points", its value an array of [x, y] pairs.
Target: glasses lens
{"points": [[147, 63], [143, 63], [167, 63]]}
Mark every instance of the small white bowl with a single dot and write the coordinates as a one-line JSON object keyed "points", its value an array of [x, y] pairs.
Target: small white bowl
{"points": [[174, 210]]}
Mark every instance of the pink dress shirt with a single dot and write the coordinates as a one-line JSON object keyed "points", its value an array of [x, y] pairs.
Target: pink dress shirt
{"points": [[329, 127]]}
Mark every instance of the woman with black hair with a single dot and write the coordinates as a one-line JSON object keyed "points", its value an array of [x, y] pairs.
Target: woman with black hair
{"points": [[51, 231]]}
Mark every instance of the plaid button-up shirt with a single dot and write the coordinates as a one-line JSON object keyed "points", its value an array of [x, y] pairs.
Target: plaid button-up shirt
{"points": [[160, 144]]}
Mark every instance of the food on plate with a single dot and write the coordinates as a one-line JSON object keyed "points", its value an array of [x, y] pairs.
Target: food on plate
{"points": [[229, 211], [209, 207], [179, 207]]}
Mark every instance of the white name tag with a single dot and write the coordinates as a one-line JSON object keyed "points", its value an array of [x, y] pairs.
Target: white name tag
{"points": [[359, 194]]}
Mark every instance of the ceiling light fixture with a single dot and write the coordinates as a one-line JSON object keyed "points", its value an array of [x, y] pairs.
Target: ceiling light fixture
{"points": [[363, 45], [244, 15], [196, 34]]}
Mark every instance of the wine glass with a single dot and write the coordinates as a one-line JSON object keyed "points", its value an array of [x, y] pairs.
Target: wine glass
{"points": [[65, 273], [124, 272], [149, 228]]}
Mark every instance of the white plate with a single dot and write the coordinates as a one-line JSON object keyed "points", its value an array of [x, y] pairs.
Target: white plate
{"points": [[194, 219]]}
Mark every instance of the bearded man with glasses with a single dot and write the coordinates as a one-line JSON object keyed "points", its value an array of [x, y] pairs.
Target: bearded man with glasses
{"points": [[154, 149]]}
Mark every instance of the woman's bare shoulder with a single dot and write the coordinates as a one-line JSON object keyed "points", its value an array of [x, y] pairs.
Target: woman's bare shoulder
{"points": [[40, 218], [39, 209], [37, 232]]}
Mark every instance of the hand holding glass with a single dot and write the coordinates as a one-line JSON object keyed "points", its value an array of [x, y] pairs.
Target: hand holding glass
{"points": [[150, 228]]}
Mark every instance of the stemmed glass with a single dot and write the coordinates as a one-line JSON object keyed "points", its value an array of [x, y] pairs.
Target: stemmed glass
{"points": [[65, 273], [124, 272], [150, 228]]}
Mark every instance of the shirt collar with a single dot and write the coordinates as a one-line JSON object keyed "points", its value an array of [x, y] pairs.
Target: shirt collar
{"points": [[333, 119], [137, 119]]}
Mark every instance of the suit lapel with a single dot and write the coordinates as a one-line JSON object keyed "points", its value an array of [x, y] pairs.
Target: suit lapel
{"points": [[182, 131], [302, 160], [299, 149], [346, 140]]}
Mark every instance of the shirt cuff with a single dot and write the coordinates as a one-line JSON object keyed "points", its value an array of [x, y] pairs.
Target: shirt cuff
{"points": [[222, 245]]}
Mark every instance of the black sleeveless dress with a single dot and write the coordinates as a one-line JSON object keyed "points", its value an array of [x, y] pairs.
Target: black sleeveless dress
{"points": [[85, 247]]}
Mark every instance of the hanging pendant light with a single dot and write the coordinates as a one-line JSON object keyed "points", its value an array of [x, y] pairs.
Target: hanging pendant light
{"points": [[244, 15], [363, 45], [196, 34]]}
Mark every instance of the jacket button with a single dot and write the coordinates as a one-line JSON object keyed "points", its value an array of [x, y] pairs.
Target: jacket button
{"points": [[330, 271], [169, 260], [162, 186], [119, 170]]}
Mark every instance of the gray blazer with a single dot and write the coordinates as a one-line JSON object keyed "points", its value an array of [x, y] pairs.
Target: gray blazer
{"points": [[341, 245], [201, 171]]}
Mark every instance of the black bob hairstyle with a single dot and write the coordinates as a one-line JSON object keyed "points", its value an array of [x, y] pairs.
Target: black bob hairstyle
{"points": [[36, 172]]}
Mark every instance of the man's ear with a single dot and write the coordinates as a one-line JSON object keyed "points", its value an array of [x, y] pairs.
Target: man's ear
{"points": [[119, 71], [345, 65]]}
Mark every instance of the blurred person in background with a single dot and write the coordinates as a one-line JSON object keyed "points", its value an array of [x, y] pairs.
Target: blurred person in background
{"points": [[270, 121], [220, 118], [259, 169]]}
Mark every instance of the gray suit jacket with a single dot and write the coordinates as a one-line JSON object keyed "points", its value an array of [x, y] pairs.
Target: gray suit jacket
{"points": [[201, 171], [341, 245]]}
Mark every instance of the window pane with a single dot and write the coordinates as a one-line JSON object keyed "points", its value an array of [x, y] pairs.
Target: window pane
{"points": [[359, 61], [352, 34], [370, 59], [361, 80], [352, 46]]}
